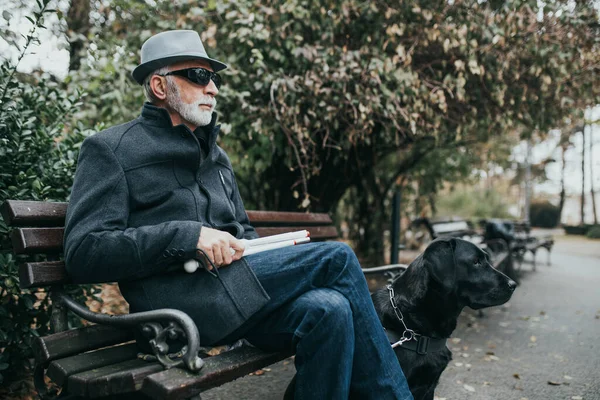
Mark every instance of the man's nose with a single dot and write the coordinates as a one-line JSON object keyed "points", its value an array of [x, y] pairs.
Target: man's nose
{"points": [[211, 88]]}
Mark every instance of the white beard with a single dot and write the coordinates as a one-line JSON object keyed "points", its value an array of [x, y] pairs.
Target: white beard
{"points": [[190, 112]]}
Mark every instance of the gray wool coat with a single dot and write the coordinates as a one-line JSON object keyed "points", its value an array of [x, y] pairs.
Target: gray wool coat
{"points": [[142, 193]]}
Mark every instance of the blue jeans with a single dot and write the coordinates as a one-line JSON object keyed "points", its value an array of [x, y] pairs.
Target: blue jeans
{"points": [[321, 307]]}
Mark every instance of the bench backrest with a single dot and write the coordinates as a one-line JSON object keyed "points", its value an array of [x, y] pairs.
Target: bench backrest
{"points": [[38, 228]]}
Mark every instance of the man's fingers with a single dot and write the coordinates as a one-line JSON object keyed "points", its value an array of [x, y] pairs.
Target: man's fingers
{"points": [[227, 255], [218, 254], [238, 246]]}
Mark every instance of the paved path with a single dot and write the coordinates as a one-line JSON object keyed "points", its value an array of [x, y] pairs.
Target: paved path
{"points": [[543, 345]]}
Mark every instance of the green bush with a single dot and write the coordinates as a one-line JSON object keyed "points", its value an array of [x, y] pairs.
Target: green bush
{"points": [[544, 214], [594, 232], [37, 162], [472, 203]]}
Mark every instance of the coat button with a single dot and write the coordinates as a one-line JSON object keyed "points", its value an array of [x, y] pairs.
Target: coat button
{"points": [[166, 254], [180, 253]]}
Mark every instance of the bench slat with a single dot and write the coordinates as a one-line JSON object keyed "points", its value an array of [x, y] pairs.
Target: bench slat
{"points": [[41, 274], [60, 370], [123, 377], [74, 341], [33, 213], [49, 214], [274, 218], [316, 232], [177, 383], [37, 240], [50, 240]]}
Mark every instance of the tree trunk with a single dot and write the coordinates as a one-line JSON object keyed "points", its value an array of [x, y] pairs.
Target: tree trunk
{"points": [[583, 175], [593, 195], [78, 23], [561, 203]]}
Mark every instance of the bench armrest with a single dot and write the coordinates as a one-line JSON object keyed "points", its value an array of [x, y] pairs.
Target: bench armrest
{"points": [[177, 322], [384, 268]]}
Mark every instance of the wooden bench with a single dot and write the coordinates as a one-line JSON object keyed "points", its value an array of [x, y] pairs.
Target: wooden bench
{"points": [[101, 360], [518, 235], [531, 243]]}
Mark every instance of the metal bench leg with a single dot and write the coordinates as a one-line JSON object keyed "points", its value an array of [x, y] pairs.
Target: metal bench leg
{"points": [[549, 258], [534, 266]]}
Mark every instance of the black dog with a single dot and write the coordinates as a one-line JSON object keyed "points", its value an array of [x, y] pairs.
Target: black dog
{"points": [[429, 296]]}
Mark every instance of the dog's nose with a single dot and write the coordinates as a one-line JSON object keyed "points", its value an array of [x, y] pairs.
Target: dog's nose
{"points": [[512, 285]]}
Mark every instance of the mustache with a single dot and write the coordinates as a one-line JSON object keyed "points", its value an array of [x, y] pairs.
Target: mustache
{"points": [[208, 100]]}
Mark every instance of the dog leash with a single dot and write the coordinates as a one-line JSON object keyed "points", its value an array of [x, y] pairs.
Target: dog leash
{"points": [[408, 334], [422, 344]]}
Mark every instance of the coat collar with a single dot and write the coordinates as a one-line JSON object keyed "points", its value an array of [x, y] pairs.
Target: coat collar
{"points": [[159, 116]]}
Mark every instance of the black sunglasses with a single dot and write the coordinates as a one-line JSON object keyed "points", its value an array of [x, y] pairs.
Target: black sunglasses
{"points": [[200, 76]]}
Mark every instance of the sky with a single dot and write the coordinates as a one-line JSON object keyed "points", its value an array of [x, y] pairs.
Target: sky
{"points": [[52, 55]]}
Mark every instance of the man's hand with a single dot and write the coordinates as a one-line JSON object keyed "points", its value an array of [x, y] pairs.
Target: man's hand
{"points": [[217, 244]]}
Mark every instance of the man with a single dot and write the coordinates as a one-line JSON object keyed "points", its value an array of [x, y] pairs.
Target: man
{"points": [[157, 191]]}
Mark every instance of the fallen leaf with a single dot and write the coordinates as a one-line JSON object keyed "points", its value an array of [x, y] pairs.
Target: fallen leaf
{"points": [[533, 339], [490, 353], [485, 383], [553, 383], [469, 388], [259, 372], [517, 376], [267, 369], [567, 377], [542, 312], [215, 351], [576, 398], [458, 364], [494, 358], [504, 324], [455, 340]]}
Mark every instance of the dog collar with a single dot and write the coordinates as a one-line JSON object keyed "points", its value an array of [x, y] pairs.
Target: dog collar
{"points": [[410, 339], [419, 344]]}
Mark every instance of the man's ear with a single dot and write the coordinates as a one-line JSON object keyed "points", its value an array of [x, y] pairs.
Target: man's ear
{"points": [[158, 85], [440, 262]]}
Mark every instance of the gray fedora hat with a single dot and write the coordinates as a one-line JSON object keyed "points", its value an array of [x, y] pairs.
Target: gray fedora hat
{"points": [[170, 47]]}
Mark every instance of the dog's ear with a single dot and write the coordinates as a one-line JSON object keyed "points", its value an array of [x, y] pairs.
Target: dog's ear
{"points": [[440, 262]]}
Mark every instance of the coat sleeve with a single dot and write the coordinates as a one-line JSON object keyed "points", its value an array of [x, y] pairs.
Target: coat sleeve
{"points": [[99, 245]]}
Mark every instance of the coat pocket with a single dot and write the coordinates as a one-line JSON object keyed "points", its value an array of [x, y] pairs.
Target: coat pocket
{"points": [[151, 184], [228, 191]]}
